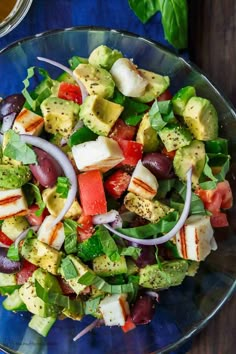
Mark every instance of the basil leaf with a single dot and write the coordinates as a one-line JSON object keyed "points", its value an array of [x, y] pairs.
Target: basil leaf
{"points": [[70, 229], [157, 257], [171, 246], [131, 251], [109, 246], [207, 171], [155, 117], [175, 22], [63, 186], [133, 111], [17, 150], [208, 185], [165, 186], [38, 198], [55, 298], [144, 9], [163, 226], [196, 206], [165, 107], [224, 170], [13, 253], [90, 248], [69, 269]]}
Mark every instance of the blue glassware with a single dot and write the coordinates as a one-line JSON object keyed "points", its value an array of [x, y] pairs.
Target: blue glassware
{"points": [[183, 310]]}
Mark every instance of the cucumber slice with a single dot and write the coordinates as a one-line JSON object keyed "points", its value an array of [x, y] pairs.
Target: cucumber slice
{"points": [[42, 325], [14, 303]]}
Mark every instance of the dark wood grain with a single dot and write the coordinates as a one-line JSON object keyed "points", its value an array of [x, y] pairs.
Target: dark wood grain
{"points": [[212, 45]]}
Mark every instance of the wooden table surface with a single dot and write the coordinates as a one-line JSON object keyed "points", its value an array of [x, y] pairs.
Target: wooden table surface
{"points": [[212, 45]]}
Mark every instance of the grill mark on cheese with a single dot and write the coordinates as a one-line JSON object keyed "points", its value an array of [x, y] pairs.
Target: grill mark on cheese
{"points": [[10, 200], [143, 185], [197, 243], [20, 213], [183, 242], [54, 233], [34, 125], [37, 121]]}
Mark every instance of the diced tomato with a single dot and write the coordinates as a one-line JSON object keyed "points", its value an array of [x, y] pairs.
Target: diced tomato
{"points": [[215, 199], [33, 219], [25, 273], [70, 92], [132, 152], [170, 154], [5, 240], [65, 287], [165, 96], [117, 183], [92, 194], [85, 228], [129, 325], [219, 220], [122, 131]]}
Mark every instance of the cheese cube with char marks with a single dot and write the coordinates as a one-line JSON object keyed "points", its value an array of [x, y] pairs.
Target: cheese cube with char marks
{"points": [[28, 122], [195, 239], [53, 236], [114, 309], [12, 203]]}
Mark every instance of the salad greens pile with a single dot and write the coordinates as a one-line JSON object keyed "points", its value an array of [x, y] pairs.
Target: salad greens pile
{"points": [[110, 189]]}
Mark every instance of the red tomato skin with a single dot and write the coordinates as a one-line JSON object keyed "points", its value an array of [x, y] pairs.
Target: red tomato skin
{"points": [[129, 325], [170, 154], [85, 228], [219, 220], [92, 194], [122, 131], [25, 273], [165, 96], [117, 183], [226, 192], [4, 239], [70, 92], [33, 219], [132, 152]]}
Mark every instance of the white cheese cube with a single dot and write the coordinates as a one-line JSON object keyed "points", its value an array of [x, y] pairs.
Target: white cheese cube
{"points": [[28, 122], [114, 309], [143, 182], [127, 78], [101, 154], [195, 239], [53, 236], [12, 203]]}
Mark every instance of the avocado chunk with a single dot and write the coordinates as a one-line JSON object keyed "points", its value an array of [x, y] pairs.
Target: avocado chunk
{"points": [[60, 116], [13, 226], [40, 254], [54, 204], [96, 80], [171, 273], [12, 177], [104, 267], [99, 114], [147, 136], [147, 209], [29, 296], [201, 118], [81, 269], [157, 84], [104, 57], [192, 155], [180, 99], [174, 136]]}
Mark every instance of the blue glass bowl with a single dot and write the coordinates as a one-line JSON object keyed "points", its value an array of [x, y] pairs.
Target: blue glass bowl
{"points": [[183, 310]]}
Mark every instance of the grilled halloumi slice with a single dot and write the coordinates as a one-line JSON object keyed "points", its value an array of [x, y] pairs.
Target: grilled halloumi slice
{"points": [[128, 78], [53, 236], [143, 182], [195, 239], [28, 122], [101, 154], [114, 309], [12, 203]]}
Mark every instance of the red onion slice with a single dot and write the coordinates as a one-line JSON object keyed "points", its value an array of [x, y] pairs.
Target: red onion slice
{"points": [[23, 235], [84, 92], [176, 228], [7, 122], [65, 164], [88, 329], [153, 294]]}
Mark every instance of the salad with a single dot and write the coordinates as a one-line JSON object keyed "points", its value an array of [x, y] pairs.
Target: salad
{"points": [[111, 187]]}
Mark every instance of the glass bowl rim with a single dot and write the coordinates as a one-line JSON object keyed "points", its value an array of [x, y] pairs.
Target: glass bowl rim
{"points": [[192, 332]]}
